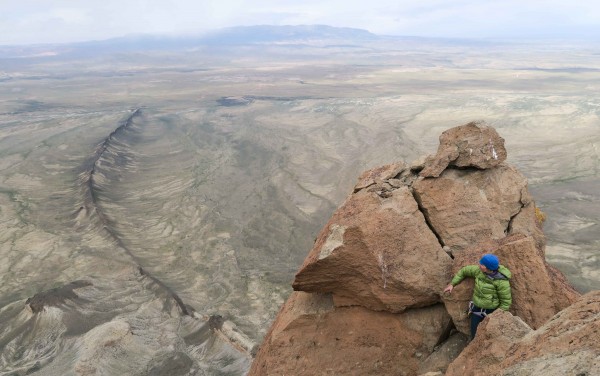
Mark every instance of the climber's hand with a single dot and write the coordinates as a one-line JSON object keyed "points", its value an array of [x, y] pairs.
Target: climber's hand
{"points": [[449, 289]]}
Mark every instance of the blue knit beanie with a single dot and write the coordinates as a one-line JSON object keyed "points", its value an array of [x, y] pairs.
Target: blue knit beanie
{"points": [[490, 261]]}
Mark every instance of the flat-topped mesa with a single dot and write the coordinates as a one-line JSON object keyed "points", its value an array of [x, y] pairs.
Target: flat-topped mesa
{"points": [[475, 144]]}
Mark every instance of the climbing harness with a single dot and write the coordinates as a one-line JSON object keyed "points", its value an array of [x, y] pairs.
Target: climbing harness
{"points": [[474, 310]]}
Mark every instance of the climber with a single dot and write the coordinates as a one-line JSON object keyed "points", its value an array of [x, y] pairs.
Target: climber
{"points": [[492, 288]]}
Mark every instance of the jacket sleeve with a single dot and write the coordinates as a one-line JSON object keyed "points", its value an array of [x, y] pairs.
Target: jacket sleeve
{"points": [[504, 295], [465, 271]]}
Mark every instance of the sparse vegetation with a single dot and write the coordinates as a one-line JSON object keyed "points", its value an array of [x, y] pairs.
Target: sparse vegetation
{"points": [[243, 189], [540, 216]]}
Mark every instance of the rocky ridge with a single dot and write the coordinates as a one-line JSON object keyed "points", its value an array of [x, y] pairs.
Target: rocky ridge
{"points": [[368, 298]]}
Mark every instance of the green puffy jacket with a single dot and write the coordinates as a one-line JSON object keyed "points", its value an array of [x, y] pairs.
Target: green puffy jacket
{"points": [[491, 291]]}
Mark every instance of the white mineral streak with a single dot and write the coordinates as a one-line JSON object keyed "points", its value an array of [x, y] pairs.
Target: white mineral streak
{"points": [[494, 154], [384, 269]]}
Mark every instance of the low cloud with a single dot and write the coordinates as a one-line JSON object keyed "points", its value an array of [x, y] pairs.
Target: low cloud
{"points": [[28, 21]]}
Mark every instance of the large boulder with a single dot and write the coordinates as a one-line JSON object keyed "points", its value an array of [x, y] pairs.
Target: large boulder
{"points": [[568, 344], [467, 206], [311, 337], [471, 145], [495, 336], [538, 290], [565, 345], [377, 251]]}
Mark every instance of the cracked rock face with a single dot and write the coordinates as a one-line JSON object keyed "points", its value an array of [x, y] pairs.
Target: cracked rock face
{"points": [[475, 144], [363, 254], [466, 206], [372, 283]]}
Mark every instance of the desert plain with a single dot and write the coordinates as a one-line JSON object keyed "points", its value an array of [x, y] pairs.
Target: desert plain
{"points": [[205, 173]]}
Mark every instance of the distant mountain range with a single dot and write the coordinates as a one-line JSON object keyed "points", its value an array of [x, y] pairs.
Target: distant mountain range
{"points": [[297, 35], [228, 38], [232, 36], [269, 34]]}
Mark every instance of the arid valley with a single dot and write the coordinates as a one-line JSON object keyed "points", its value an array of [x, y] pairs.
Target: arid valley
{"points": [[179, 189]]}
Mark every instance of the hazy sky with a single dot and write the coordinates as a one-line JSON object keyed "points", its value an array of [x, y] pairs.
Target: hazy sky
{"points": [[42, 21]]}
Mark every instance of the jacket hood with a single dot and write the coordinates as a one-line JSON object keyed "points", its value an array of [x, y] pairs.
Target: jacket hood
{"points": [[502, 273]]}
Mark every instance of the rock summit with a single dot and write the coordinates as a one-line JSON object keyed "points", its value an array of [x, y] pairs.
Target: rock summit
{"points": [[368, 298]]}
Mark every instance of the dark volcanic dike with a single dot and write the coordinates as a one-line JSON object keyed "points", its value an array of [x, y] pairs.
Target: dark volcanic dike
{"points": [[102, 154]]}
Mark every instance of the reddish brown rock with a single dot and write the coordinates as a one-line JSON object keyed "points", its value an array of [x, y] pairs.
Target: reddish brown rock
{"points": [[378, 253], [495, 336], [379, 175], [308, 338], [371, 284], [538, 290], [568, 344], [471, 145], [527, 223], [467, 206]]}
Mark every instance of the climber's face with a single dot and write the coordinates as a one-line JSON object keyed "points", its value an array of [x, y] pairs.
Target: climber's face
{"points": [[484, 269]]}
